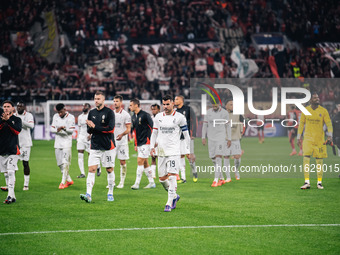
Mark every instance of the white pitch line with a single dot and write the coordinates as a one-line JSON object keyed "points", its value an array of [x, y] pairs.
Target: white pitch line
{"points": [[167, 228]]}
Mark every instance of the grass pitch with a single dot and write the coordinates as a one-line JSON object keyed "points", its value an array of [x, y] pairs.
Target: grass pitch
{"points": [[136, 224]]}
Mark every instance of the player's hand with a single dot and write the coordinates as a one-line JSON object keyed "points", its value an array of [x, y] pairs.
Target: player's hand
{"points": [[135, 148], [152, 152], [229, 143], [299, 142], [5, 117], [192, 158], [329, 138], [90, 123], [204, 141], [119, 137], [60, 128], [88, 137]]}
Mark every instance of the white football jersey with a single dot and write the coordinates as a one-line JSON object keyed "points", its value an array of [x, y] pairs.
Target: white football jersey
{"points": [[121, 119], [217, 132], [82, 133], [25, 138], [63, 139], [169, 133]]}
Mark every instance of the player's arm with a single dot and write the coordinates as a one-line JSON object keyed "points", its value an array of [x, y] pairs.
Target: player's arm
{"points": [[71, 126], [89, 129], [228, 128], [29, 123], [301, 126], [204, 129], [243, 129], [193, 124], [185, 132], [154, 137], [54, 128], [15, 125], [328, 123], [127, 123], [149, 121]]}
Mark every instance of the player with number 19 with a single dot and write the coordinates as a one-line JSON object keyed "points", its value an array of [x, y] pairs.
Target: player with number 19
{"points": [[167, 129]]}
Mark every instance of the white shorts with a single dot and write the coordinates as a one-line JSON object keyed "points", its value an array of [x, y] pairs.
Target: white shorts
{"points": [[83, 144], [63, 156], [184, 148], [122, 152], [143, 151], [9, 162], [25, 153], [216, 148], [192, 146], [106, 158], [169, 164], [234, 149]]}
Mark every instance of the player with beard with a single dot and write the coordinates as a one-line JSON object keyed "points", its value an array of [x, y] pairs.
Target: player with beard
{"points": [[25, 140]]}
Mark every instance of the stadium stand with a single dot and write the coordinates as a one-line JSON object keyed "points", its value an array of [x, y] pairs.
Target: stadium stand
{"points": [[87, 61]]}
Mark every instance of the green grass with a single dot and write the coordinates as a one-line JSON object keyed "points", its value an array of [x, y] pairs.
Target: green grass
{"points": [[257, 199]]}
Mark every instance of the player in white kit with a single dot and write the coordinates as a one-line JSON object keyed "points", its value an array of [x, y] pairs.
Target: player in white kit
{"points": [[155, 109], [122, 129], [25, 140], [215, 125], [63, 125], [83, 140], [235, 148], [167, 129]]}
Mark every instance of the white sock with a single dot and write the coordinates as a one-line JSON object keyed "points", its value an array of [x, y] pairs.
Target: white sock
{"points": [[148, 173], [123, 170], [307, 182], [172, 189], [6, 178], [68, 177], [165, 184], [227, 167], [90, 182], [153, 169], [26, 180], [237, 166], [11, 183], [81, 163], [110, 181], [139, 173], [182, 168], [65, 173], [218, 168]]}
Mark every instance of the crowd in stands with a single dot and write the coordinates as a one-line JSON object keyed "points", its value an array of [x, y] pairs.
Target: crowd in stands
{"points": [[167, 21]]}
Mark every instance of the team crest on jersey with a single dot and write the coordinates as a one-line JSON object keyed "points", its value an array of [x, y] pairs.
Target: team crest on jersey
{"points": [[103, 119], [94, 117], [320, 115], [174, 121]]}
